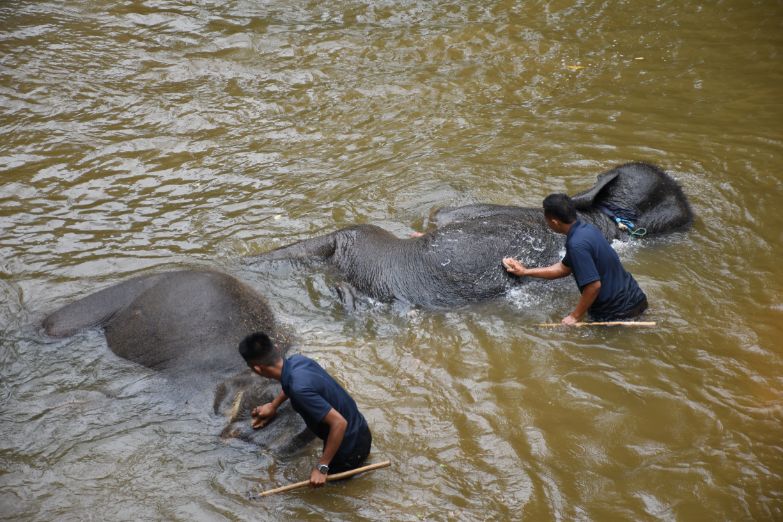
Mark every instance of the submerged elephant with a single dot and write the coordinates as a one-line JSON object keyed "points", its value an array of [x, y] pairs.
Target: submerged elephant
{"points": [[187, 325], [459, 261]]}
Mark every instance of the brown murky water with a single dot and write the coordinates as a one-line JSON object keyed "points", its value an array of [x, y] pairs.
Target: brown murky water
{"points": [[145, 135]]}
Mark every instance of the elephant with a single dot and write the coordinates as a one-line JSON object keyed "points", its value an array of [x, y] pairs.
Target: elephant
{"points": [[458, 261], [187, 325]]}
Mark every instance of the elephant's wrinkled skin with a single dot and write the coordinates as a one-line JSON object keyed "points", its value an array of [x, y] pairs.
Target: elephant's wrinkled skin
{"points": [[187, 325], [459, 262]]}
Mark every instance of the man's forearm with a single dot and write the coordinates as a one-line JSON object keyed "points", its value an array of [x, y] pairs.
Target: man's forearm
{"points": [[589, 295], [336, 437], [555, 271], [337, 426], [280, 399]]}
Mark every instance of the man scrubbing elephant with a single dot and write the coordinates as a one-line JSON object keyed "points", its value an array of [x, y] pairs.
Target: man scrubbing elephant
{"points": [[608, 291]]}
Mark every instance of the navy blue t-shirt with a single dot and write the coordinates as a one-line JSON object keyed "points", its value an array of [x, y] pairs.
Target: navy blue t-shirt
{"points": [[312, 393], [591, 258]]}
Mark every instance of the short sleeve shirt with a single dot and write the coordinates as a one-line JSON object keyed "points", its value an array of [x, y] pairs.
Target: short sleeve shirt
{"points": [[591, 258], [313, 392]]}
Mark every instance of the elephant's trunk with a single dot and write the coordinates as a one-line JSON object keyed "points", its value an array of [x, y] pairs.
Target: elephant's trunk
{"points": [[321, 247]]}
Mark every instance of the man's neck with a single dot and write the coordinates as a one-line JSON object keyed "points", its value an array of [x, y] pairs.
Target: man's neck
{"points": [[274, 371], [278, 369]]}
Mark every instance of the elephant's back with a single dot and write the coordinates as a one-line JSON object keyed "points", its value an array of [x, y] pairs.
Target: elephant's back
{"points": [[467, 255], [190, 320]]}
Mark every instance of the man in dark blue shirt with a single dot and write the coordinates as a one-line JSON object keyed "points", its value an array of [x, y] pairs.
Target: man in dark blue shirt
{"points": [[325, 406], [608, 291]]}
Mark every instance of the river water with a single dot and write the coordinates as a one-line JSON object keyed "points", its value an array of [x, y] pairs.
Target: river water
{"points": [[148, 135]]}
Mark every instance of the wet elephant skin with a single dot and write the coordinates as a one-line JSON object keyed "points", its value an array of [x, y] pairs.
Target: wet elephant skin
{"points": [[459, 260]]}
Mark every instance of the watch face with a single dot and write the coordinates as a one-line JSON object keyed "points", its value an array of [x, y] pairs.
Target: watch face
{"points": [[323, 468]]}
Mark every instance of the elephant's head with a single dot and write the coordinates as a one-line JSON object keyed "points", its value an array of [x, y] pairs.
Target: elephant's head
{"points": [[236, 397], [642, 193]]}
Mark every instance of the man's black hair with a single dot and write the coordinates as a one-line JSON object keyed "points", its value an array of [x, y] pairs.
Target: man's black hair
{"points": [[258, 348], [560, 206]]}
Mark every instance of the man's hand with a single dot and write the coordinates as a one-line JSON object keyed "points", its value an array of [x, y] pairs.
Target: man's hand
{"points": [[569, 320], [317, 479], [262, 415], [513, 266]]}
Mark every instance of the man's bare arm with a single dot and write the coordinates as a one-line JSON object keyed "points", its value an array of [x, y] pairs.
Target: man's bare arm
{"points": [[555, 271], [337, 426], [589, 295]]}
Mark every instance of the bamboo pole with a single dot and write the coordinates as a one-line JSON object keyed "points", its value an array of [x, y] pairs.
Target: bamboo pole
{"points": [[329, 478], [603, 323]]}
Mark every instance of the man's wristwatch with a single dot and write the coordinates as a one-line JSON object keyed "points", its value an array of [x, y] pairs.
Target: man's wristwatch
{"points": [[323, 468]]}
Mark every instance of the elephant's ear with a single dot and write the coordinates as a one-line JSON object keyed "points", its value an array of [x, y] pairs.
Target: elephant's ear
{"points": [[585, 200]]}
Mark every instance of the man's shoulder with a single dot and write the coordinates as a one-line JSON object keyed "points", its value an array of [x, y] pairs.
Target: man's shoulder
{"points": [[586, 233], [581, 236], [299, 387], [299, 361], [303, 372], [303, 383]]}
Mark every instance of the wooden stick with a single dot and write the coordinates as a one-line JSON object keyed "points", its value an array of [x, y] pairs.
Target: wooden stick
{"points": [[329, 478], [604, 323]]}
